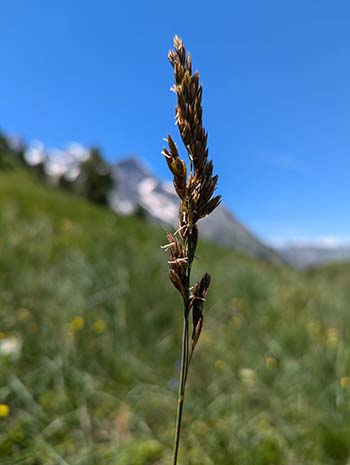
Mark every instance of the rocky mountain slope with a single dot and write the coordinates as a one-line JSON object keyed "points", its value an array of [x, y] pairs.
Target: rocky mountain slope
{"points": [[137, 189]]}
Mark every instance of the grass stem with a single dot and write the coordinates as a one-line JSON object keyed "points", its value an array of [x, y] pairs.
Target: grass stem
{"points": [[182, 385]]}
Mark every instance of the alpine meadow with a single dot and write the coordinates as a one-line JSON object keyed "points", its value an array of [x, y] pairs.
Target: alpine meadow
{"points": [[91, 371]]}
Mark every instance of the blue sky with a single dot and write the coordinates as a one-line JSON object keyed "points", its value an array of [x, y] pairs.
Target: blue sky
{"points": [[276, 77]]}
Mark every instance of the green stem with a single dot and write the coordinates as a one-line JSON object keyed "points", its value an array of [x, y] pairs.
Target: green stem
{"points": [[182, 385], [185, 358]]}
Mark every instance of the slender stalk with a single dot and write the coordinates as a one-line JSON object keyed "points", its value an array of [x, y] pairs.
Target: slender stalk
{"points": [[184, 359], [182, 385]]}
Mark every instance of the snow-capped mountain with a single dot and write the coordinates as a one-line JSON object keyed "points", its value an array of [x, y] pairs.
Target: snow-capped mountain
{"points": [[136, 188], [56, 162]]}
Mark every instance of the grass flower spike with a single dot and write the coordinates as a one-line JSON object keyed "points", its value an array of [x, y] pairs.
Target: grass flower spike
{"points": [[195, 186]]}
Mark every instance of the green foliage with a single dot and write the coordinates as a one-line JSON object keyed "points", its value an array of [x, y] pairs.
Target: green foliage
{"points": [[90, 332], [141, 453], [8, 159]]}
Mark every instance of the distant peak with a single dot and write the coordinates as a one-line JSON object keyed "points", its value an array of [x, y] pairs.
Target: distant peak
{"points": [[133, 163]]}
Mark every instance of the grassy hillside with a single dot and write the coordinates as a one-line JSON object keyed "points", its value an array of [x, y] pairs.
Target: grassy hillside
{"points": [[90, 341]]}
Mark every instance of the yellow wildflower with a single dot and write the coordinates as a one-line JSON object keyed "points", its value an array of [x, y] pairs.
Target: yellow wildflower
{"points": [[4, 410], [99, 326], [77, 324], [345, 382], [270, 362]]}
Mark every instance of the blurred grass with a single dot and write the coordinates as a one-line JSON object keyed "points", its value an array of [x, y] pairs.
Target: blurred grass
{"points": [[90, 341]]}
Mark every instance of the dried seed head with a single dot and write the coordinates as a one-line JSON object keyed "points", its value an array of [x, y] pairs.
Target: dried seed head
{"points": [[198, 297], [176, 280], [177, 167], [197, 195], [195, 186], [196, 332], [177, 263]]}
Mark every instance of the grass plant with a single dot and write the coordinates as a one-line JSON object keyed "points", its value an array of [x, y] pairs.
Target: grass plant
{"points": [[89, 333], [195, 192]]}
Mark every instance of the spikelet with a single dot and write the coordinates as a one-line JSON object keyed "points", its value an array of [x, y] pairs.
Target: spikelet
{"points": [[198, 297]]}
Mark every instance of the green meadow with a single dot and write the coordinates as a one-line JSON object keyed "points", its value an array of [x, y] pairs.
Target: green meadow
{"points": [[90, 335]]}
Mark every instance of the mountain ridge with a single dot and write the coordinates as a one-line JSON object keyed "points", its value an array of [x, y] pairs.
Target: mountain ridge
{"points": [[312, 255], [140, 191], [137, 188]]}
